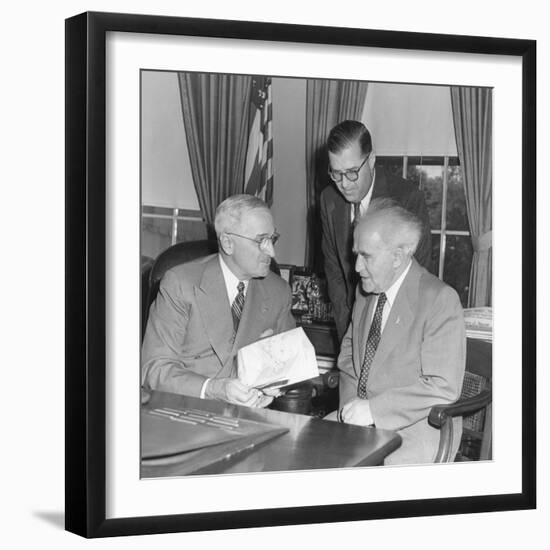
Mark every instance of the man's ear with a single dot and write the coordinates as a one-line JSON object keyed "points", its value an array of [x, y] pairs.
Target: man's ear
{"points": [[226, 243], [399, 256]]}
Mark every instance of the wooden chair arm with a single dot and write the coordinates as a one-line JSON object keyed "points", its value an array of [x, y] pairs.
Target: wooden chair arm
{"points": [[439, 414], [441, 417]]}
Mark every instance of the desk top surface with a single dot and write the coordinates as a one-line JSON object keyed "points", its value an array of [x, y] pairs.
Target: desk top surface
{"points": [[309, 443]]}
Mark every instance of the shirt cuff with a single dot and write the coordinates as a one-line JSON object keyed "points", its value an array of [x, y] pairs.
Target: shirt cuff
{"points": [[203, 389]]}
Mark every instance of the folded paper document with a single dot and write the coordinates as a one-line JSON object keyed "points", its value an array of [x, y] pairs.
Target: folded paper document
{"points": [[280, 360]]}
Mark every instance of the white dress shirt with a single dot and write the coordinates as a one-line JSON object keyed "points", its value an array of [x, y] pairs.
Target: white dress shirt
{"points": [[231, 283], [391, 294], [365, 201]]}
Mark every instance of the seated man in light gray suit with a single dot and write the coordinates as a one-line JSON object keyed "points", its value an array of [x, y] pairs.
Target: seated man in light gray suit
{"points": [[207, 309], [404, 350]]}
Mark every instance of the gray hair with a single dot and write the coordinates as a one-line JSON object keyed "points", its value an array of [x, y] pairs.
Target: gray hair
{"points": [[399, 228], [231, 211]]}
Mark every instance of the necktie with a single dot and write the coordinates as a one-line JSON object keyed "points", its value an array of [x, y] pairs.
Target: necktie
{"points": [[356, 213], [370, 348], [237, 306]]}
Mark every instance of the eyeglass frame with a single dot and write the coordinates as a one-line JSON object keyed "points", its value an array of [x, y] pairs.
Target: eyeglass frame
{"points": [[347, 173], [260, 241]]}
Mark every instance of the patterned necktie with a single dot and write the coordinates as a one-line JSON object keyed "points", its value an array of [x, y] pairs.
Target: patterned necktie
{"points": [[237, 306], [370, 348]]}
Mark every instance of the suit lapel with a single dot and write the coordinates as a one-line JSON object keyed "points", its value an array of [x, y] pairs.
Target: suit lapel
{"points": [[256, 306], [211, 296], [341, 212]]}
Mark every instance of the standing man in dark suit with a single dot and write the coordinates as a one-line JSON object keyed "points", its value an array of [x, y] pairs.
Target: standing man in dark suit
{"points": [[356, 183], [208, 309]]}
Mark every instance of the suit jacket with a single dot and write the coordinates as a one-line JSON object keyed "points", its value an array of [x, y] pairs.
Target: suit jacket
{"points": [[337, 239], [419, 362], [189, 335]]}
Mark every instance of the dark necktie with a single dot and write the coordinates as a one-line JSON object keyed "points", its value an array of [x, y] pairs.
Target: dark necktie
{"points": [[370, 348], [356, 213], [237, 306]]}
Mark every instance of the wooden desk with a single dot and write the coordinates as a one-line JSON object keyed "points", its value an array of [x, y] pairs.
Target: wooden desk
{"points": [[310, 442]]}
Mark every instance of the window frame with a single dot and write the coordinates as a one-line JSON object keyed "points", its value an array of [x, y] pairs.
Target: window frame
{"points": [[445, 161]]}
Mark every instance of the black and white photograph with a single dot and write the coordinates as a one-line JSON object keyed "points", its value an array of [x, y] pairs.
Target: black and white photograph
{"points": [[384, 191], [289, 254]]}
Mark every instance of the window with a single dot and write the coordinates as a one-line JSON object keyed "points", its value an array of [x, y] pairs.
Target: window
{"points": [[440, 178], [162, 227]]}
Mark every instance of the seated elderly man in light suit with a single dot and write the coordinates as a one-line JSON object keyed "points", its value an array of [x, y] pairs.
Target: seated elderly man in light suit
{"points": [[404, 351], [207, 309]]}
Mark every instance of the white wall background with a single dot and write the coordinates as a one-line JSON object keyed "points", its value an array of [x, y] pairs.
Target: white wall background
{"points": [[166, 170], [32, 143], [410, 119]]}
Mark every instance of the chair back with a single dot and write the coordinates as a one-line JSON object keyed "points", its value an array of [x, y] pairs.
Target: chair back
{"points": [[476, 435], [176, 254]]}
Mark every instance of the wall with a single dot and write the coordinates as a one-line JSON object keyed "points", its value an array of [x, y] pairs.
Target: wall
{"points": [[166, 171], [406, 119]]}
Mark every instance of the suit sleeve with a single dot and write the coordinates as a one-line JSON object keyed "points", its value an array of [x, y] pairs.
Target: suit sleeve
{"points": [[161, 366], [417, 204], [442, 356], [347, 385], [336, 284], [285, 320]]}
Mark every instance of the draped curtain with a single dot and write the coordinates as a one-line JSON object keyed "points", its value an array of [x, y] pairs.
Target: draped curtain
{"points": [[328, 103], [472, 115], [215, 113]]}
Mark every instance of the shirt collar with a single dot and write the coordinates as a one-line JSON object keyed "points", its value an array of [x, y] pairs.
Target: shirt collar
{"points": [[230, 280], [391, 293], [365, 201]]}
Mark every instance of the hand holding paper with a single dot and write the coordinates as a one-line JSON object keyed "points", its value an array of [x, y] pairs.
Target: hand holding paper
{"points": [[279, 360]]}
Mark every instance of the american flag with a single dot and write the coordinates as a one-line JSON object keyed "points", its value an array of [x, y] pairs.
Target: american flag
{"points": [[259, 157]]}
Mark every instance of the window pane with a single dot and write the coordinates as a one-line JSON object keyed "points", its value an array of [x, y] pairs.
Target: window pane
{"points": [[156, 236], [436, 245], [391, 166], [191, 230], [430, 180], [457, 218], [458, 260]]}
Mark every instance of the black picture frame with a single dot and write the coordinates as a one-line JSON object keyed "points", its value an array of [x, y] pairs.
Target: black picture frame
{"points": [[86, 205], [285, 271]]}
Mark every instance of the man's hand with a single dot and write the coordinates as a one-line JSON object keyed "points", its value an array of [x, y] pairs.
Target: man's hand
{"points": [[266, 333], [234, 391], [357, 411]]}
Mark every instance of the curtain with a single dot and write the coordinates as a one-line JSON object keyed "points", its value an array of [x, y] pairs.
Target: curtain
{"points": [[472, 115], [215, 114], [328, 103]]}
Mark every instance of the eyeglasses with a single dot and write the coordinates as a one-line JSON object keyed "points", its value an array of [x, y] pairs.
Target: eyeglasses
{"points": [[262, 242], [351, 175]]}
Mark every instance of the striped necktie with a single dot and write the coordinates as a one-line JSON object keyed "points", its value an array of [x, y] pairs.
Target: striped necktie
{"points": [[237, 306], [370, 348]]}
